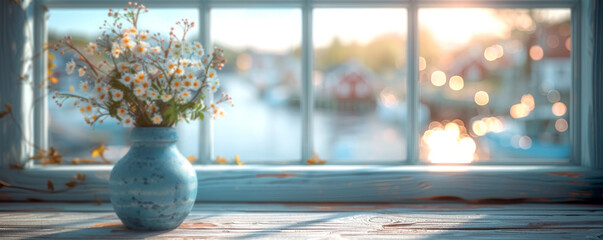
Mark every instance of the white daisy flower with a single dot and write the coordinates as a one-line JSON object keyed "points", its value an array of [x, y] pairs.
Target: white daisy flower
{"points": [[84, 86], [117, 95], [139, 91], [185, 95], [140, 77], [70, 67], [166, 97], [127, 42], [127, 122], [186, 83], [196, 84], [127, 79], [152, 94], [123, 67], [122, 112], [141, 49], [92, 45], [143, 36], [115, 51], [157, 119], [103, 96], [179, 71], [81, 72], [176, 84]]}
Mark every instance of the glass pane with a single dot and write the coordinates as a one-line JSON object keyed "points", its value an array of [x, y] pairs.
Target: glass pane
{"points": [[359, 85], [68, 133], [497, 84], [262, 75]]}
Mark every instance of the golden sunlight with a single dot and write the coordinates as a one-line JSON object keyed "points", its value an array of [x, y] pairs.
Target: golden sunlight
{"points": [[450, 144]]}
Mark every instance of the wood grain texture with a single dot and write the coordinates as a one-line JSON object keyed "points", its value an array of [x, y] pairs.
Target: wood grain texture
{"points": [[467, 184], [316, 220]]}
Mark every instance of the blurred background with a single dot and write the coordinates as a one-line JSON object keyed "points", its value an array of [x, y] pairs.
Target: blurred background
{"points": [[494, 85]]}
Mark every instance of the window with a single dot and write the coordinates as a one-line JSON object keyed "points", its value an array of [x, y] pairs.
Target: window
{"points": [[336, 79], [263, 75], [359, 82], [494, 85]]}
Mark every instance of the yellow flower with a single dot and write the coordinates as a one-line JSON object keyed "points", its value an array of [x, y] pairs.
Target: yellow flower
{"points": [[220, 160], [237, 160]]}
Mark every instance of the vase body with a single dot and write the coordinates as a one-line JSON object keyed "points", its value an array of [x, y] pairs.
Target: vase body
{"points": [[153, 187]]}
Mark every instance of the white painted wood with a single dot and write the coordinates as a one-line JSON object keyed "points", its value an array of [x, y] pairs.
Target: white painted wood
{"points": [[16, 22], [293, 183], [206, 143], [322, 220], [412, 86], [469, 184], [307, 99]]}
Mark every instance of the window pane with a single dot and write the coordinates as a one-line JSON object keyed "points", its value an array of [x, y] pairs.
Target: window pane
{"points": [[68, 133], [497, 84], [262, 75], [359, 85]]}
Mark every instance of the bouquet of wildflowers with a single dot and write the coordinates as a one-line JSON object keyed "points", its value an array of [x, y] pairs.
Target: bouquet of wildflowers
{"points": [[143, 80]]}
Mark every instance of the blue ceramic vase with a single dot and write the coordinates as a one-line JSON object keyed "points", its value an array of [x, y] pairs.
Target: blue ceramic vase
{"points": [[153, 187]]}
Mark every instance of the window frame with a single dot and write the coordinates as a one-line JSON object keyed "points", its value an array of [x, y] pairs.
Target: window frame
{"points": [[342, 183]]}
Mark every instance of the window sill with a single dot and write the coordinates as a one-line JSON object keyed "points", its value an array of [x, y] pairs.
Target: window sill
{"points": [[331, 183]]}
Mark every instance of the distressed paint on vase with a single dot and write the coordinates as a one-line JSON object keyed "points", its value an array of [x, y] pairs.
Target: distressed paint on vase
{"points": [[153, 187]]}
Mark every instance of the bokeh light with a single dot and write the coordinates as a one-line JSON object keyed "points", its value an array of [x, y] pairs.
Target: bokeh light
{"points": [[456, 83], [536, 53], [450, 144], [480, 128], [493, 52], [488, 124], [481, 98], [244, 61], [553, 96], [438, 78], [525, 142], [519, 110], [528, 100], [561, 125], [559, 109], [422, 64]]}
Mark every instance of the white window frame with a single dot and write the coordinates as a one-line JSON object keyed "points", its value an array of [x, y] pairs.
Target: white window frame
{"points": [[302, 183]]}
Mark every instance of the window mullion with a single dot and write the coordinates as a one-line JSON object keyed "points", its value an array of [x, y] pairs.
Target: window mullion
{"points": [[307, 96], [40, 75], [412, 89], [206, 142]]}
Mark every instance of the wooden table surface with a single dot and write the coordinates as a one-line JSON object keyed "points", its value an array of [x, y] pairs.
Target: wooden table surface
{"points": [[315, 221]]}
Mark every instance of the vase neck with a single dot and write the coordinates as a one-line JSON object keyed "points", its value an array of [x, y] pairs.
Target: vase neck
{"points": [[154, 134]]}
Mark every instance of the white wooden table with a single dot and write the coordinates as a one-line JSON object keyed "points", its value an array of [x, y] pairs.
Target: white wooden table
{"points": [[315, 221]]}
